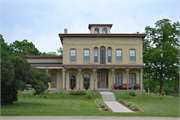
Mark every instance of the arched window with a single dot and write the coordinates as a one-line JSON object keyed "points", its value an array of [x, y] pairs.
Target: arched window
{"points": [[109, 54], [102, 55], [96, 31], [95, 54], [104, 30]]}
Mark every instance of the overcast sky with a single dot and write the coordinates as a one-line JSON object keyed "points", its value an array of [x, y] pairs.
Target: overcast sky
{"points": [[40, 21]]}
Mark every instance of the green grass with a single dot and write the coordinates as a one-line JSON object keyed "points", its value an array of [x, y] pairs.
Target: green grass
{"points": [[73, 105]]}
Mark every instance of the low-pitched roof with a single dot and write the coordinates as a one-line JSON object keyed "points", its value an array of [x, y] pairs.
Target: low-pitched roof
{"points": [[100, 35]]}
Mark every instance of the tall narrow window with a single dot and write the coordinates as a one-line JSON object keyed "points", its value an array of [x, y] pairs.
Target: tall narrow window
{"points": [[53, 81], [72, 79], [104, 31], [109, 54], [73, 55], [96, 31], [132, 79], [132, 55], [102, 55], [86, 55], [95, 54], [118, 56], [86, 79], [118, 79]]}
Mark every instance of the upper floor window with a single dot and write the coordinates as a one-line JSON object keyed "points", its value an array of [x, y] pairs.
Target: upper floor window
{"points": [[104, 30], [96, 31], [102, 55], [86, 55], [132, 55], [73, 55], [95, 54], [118, 56], [109, 54]]}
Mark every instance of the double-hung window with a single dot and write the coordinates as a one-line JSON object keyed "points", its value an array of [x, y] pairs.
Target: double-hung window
{"points": [[109, 54], [132, 55], [73, 55], [118, 55], [86, 55]]}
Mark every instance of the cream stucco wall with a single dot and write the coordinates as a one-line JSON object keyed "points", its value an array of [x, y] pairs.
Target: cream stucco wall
{"points": [[81, 43]]}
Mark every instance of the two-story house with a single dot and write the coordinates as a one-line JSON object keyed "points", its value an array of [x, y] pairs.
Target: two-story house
{"points": [[99, 60]]}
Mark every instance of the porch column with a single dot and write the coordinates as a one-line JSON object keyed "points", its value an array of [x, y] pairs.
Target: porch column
{"points": [[142, 79], [79, 77], [64, 78], [94, 70], [112, 78], [127, 70]]}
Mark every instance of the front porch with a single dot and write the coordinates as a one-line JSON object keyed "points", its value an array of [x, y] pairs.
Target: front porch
{"points": [[102, 77]]}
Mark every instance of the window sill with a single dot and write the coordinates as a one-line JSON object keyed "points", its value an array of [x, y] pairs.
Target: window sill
{"points": [[132, 62], [120, 62]]}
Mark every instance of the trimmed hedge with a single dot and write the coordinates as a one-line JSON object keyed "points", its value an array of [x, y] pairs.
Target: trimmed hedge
{"points": [[77, 92], [132, 93]]}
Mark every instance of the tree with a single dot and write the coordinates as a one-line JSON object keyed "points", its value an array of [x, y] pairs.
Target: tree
{"points": [[24, 47], [60, 50], [16, 72], [51, 53], [38, 80], [160, 53], [5, 49]]}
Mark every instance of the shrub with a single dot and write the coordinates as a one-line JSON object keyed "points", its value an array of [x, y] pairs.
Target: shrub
{"points": [[106, 108], [88, 96], [77, 92], [143, 93], [132, 93], [45, 96], [129, 104], [154, 92], [102, 105], [135, 108], [161, 98], [46, 92]]}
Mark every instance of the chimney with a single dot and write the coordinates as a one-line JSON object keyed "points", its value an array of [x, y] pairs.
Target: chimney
{"points": [[65, 31]]}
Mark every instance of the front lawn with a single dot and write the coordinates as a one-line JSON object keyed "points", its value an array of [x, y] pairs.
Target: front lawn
{"points": [[78, 105]]}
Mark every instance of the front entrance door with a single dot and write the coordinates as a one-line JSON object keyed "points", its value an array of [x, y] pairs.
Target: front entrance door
{"points": [[102, 80]]}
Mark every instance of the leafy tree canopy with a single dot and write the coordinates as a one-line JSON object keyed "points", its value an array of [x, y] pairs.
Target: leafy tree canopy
{"points": [[161, 53], [24, 47]]}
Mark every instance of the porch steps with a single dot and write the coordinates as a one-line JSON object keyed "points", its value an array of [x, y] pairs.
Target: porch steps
{"points": [[108, 96]]}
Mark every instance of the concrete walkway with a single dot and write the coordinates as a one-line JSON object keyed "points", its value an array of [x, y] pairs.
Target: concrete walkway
{"points": [[110, 101]]}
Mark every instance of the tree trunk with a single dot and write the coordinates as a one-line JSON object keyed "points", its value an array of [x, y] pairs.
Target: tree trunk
{"points": [[161, 83]]}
